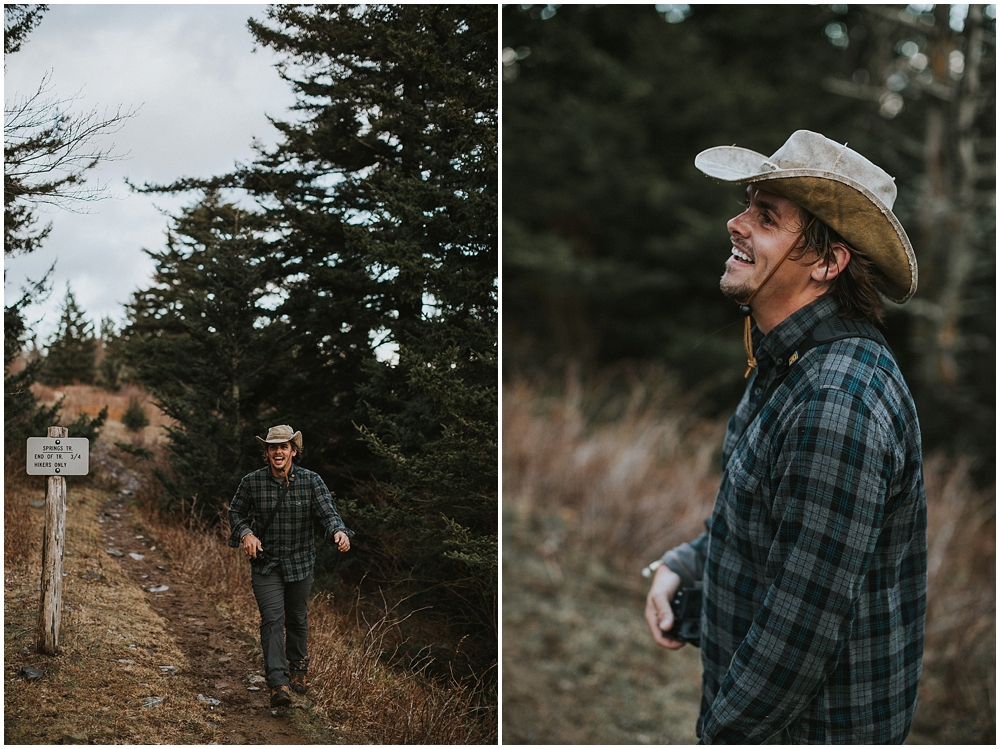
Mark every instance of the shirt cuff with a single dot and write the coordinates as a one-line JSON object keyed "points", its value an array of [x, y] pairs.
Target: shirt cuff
{"points": [[684, 561]]}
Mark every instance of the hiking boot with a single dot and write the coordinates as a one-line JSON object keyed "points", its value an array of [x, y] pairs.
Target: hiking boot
{"points": [[280, 696], [298, 679], [297, 671]]}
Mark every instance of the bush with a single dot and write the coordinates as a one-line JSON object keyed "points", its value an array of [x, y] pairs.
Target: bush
{"points": [[135, 417]]}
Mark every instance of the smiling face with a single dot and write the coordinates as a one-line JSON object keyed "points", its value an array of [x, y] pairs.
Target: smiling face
{"points": [[762, 237], [279, 457]]}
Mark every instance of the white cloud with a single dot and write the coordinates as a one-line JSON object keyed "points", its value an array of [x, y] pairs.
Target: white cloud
{"points": [[204, 96]]}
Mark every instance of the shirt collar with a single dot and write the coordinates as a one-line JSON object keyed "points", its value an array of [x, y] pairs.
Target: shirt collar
{"points": [[792, 331], [291, 475]]}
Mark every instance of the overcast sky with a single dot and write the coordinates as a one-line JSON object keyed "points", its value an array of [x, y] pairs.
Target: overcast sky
{"points": [[202, 94]]}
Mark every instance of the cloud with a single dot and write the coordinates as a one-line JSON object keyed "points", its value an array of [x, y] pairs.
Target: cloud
{"points": [[203, 95]]}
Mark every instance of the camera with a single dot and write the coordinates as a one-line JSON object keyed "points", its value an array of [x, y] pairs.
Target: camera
{"points": [[686, 607]]}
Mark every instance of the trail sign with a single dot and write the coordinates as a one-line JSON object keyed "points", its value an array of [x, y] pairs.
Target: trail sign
{"points": [[58, 456]]}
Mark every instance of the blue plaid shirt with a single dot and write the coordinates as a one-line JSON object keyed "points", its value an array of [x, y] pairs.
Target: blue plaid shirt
{"points": [[290, 538], [814, 563]]}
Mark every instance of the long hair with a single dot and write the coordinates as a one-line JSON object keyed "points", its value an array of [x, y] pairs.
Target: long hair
{"points": [[856, 288]]}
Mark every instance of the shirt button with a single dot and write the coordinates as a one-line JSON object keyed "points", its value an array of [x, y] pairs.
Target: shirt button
{"points": [[757, 391]]}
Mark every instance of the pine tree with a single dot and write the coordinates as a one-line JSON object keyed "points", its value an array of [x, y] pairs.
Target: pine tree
{"points": [[401, 104], [383, 200], [72, 350], [110, 366], [23, 416], [203, 342]]}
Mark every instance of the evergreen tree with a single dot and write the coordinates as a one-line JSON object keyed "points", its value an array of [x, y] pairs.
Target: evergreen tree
{"points": [[401, 104], [203, 342], [383, 195], [23, 416], [110, 364], [72, 350]]}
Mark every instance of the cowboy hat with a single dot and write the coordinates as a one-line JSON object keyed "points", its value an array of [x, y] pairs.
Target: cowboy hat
{"points": [[840, 187], [282, 433]]}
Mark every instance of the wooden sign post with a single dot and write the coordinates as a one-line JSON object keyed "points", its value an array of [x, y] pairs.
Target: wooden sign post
{"points": [[55, 456]]}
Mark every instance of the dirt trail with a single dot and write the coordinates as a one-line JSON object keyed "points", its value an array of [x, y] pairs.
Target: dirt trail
{"points": [[222, 663]]}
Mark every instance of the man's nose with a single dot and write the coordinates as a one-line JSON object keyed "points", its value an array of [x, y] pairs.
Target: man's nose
{"points": [[737, 224]]}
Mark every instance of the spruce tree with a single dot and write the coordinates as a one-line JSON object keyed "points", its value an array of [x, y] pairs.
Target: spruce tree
{"points": [[110, 364], [203, 342], [382, 197], [400, 104], [72, 350], [22, 414]]}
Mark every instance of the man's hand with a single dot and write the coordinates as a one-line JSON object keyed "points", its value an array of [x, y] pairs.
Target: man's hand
{"points": [[342, 540], [251, 545], [659, 616]]}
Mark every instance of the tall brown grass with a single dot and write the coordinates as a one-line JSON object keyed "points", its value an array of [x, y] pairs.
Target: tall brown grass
{"points": [[631, 472], [621, 457], [21, 543]]}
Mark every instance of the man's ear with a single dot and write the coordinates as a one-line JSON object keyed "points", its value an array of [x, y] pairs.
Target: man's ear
{"points": [[823, 272]]}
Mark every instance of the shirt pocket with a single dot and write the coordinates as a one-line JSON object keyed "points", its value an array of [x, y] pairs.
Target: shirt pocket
{"points": [[747, 496]]}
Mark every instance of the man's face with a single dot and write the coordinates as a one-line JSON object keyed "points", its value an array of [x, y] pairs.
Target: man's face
{"points": [[761, 237], [279, 457]]}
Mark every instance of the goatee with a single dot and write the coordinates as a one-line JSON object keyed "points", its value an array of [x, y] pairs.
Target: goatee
{"points": [[736, 292]]}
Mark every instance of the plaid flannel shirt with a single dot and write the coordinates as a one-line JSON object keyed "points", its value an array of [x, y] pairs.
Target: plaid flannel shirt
{"points": [[290, 539], [814, 562]]}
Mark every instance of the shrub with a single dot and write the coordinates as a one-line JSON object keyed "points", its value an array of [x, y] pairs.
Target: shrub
{"points": [[135, 417]]}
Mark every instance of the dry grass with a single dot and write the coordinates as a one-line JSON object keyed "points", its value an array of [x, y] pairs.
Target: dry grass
{"points": [[86, 689], [90, 399], [22, 540], [632, 472], [353, 685], [623, 470]]}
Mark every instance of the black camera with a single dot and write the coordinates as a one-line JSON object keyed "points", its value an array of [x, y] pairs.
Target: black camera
{"points": [[687, 616]]}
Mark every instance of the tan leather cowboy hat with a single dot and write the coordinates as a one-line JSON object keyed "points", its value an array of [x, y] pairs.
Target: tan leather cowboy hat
{"points": [[282, 433], [839, 186]]}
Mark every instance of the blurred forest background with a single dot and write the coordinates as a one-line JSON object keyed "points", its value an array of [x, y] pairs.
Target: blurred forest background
{"points": [[622, 360], [345, 283]]}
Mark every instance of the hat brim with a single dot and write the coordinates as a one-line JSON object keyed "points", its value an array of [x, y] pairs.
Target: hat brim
{"points": [[846, 206], [295, 439]]}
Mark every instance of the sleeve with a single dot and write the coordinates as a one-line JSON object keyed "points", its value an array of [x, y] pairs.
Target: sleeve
{"points": [[688, 560], [831, 477], [325, 511], [239, 512]]}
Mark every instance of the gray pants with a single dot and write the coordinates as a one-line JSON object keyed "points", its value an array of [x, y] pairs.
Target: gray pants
{"points": [[283, 609]]}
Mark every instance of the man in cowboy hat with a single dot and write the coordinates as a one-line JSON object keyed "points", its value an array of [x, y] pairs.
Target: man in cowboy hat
{"points": [[282, 500], [813, 565]]}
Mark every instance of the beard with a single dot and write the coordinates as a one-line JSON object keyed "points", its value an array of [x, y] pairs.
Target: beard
{"points": [[737, 292]]}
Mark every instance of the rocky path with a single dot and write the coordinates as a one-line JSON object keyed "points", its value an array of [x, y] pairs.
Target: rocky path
{"points": [[225, 667]]}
